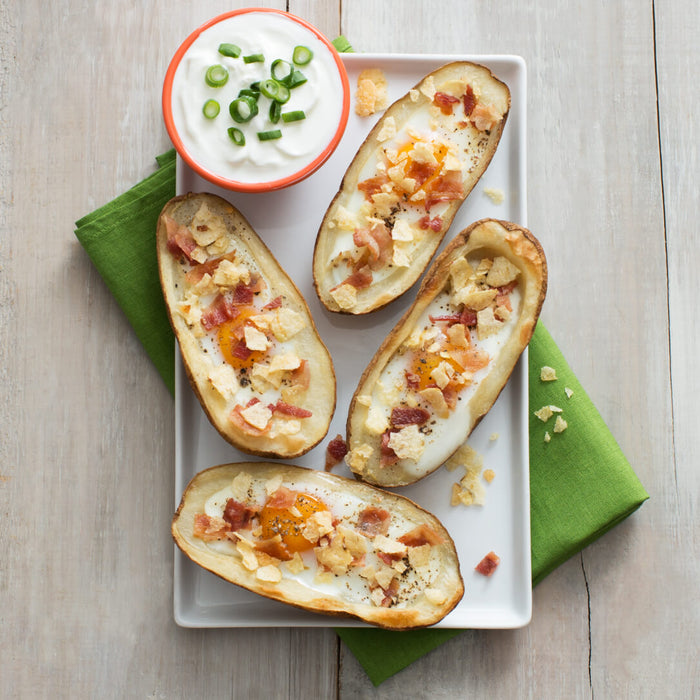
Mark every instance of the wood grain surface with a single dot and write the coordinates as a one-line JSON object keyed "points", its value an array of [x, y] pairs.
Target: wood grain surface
{"points": [[86, 424]]}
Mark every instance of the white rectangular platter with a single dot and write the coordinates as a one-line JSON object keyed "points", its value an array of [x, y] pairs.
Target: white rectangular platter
{"points": [[287, 221]]}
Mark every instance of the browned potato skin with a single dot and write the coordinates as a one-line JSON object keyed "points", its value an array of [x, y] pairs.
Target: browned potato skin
{"points": [[230, 569], [184, 207], [384, 294], [501, 237]]}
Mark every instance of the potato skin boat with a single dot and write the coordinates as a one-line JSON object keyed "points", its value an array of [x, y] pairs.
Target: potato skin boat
{"points": [[346, 498], [239, 240], [407, 243], [446, 429]]}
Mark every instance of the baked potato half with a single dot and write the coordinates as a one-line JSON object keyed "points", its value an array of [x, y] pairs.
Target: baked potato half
{"points": [[405, 185], [320, 542], [246, 335], [444, 364]]}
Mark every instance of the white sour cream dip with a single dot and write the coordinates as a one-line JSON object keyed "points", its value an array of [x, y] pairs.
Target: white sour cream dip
{"points": [[207, 142]]}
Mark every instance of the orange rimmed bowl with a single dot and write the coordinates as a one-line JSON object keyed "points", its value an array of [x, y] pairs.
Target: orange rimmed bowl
{"points": [[261, 164]]}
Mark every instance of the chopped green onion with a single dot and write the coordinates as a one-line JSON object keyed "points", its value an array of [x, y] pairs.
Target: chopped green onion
{"points": [[275, 111], [216, 76], [246, 92], [237, 136], [269, 135], [230, 50], [281, 69], [295, 116], [342, 45], [255, 86], [274, 90], [254, 58], [211, 109], [295, 79], [243, 109], [302, 55]]}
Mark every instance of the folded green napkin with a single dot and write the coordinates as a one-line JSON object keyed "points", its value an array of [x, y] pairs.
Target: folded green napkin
{"points": [[581, 483]]}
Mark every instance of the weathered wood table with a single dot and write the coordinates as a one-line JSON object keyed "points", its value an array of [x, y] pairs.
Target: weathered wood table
{"points": [[87, 446]]}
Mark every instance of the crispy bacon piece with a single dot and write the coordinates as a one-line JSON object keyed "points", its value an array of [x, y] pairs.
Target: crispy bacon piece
{"points": [[412, 379], [390, 593], [374, 521], [467, 318], [209, 267], [274, 547], [485, 117], [301, 376], [220, 310], [360, 278], [377, 239], [242, 424], [422, 172], [469, 101], [287, 409], [209, 529], [372, 185], [445, 102], [408, 416], [283, 498], [488, 564], [434, 224], [238, 515], [420, 535], [180, 239], [387, 455], [274, 304], [336, 450], [444, 188]]}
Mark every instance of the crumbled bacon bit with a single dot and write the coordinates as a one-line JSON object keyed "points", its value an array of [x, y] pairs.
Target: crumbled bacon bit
{"points": [[220, 310], [469, 101], [488, 564], [445, 102], [420, 535], [374, 521], [372, 185], [335, 452], [434, 224], [282, 498], [274, 304], [388, 456], [238, 515], [288, 409], [408, 416]]}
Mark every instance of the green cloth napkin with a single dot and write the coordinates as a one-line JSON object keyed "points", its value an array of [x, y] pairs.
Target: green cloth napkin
{"points": [[581, 483]]}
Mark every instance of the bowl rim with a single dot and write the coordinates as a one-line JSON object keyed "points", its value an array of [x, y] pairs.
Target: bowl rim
{"points": [[266, 185]]}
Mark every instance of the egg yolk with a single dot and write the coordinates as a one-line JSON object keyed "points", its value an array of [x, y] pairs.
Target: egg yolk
{"points": [[422, 173], [424, 363], [289, 522], [232, 341]]}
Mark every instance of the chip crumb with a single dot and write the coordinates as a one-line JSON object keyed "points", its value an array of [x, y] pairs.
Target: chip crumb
{"points": [[548, 374], [560, 425], [569, 392], [493, 437], [495, 194], [489, 475], [546, 412], [371, 92], [547, 436]]}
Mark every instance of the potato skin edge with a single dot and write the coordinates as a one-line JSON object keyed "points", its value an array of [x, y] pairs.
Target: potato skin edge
{"points": [[385, 618], [229, 432], [349, 181], [432, 283]]}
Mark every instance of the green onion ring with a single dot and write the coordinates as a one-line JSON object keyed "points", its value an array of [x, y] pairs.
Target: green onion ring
{"points": [[216, 76], [210, 109], [302, 55], [237, 136]]}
